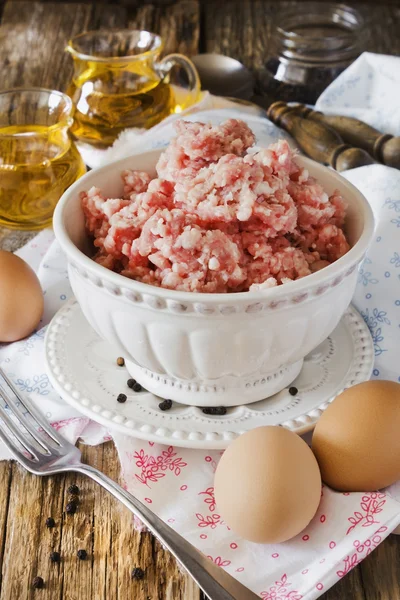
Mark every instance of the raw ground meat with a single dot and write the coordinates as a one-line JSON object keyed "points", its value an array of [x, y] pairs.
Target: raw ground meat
{"points": [[238, 189], [184, 256], [217, 219], [127, 224], [135, 182], [98, 211], [198, 145]]}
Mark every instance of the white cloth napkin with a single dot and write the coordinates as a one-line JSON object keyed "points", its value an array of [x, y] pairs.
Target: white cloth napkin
{"points": [[177, 483], [367, 90]]}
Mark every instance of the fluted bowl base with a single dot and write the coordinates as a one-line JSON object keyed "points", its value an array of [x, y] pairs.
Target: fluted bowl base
{"points": [[228, 392]]}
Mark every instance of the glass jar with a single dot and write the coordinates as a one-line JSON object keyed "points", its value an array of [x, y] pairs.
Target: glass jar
{"points": [[38, 159], [311, 45]]}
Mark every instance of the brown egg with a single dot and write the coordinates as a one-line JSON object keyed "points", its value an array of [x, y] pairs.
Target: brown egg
{"points": [[357, 439], [267, 485], [21, 298]]}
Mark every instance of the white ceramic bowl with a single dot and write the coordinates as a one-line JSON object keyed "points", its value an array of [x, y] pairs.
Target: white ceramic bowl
{"points": [[210, 349]]}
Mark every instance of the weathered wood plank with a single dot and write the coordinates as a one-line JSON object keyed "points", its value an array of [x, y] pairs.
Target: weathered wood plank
{"points": [[133, 3], [48, 540], [243, 30], [101, 526], [23, 533], [178, 24], [5, 484], [380, 572], [349, 588], [33, 37]]}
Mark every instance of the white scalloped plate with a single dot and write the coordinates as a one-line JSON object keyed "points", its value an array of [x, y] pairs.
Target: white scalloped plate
{"points": [[82, 368]]}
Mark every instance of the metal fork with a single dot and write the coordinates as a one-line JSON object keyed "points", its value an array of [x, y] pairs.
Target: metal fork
{"points": [[46, 452]]}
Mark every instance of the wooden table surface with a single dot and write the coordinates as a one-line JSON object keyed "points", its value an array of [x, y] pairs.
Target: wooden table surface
{"points": [[32, 38]]}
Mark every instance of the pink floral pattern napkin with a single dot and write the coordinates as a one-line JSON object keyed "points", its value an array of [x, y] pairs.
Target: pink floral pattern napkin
{"points": [[177, 484]]}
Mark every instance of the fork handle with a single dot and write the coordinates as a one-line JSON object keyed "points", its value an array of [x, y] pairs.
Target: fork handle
{"points": [[213, 581]]}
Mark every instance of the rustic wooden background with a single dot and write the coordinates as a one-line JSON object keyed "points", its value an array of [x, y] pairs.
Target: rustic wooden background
{"points": [[32, 38]]}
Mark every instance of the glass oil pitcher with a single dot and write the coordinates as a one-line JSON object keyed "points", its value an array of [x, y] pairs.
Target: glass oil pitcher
{"points": [[119, 83], [38, 159]]}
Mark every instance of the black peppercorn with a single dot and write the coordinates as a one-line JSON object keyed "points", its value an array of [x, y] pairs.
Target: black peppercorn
{"points": [[137, 387], [73, 498], [293, 391], [130, 383], [38, 583], [137, 573], [121, 398], [55, 557], [214, 410], [165, 405], [71, 508], [120, 361], [50, 523], [82, 554], [73, 489]]}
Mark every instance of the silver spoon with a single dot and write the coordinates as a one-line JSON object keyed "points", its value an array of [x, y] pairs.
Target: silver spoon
{"points": [[224, 76]]}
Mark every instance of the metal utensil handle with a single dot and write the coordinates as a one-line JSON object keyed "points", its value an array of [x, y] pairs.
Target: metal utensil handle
{"points": [[214, 581]]}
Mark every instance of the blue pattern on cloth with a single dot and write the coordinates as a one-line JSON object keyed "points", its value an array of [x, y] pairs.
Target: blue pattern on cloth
{"points": [[377, 294]]}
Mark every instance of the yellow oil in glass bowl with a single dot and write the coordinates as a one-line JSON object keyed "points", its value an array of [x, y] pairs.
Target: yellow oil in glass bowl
{"points": [[38, 159]]}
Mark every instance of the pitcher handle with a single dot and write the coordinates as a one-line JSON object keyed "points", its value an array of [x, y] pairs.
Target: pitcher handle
{"points": [[193, 92]]}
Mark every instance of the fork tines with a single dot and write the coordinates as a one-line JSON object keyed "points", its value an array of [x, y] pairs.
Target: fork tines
{"points": [[25, 424]]}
